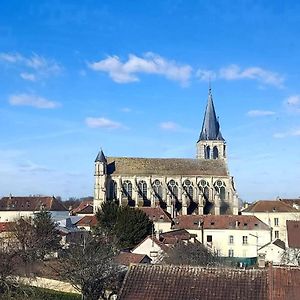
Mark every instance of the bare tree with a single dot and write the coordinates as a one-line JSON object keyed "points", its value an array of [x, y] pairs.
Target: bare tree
{"points": [[91, 268], [194, 254], [291, 256]]}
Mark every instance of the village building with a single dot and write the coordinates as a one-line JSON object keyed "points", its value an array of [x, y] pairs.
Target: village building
{"points": [[272, 252], [168, 282], [228, 235], [13, 208], [275, 213], [181, 186]]}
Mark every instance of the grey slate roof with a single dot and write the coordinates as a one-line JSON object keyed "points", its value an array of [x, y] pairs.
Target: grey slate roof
{"points": [[211, 127], [166, 166], [100, 157]]}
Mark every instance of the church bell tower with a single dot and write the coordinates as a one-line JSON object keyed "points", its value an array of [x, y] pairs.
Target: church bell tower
{"points": [[211, 144]]}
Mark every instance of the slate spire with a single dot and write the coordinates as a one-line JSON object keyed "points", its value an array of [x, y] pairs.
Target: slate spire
{"points": [[211, 127], [101, 157]]}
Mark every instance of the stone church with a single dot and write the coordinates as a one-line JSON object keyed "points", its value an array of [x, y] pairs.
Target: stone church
{"points": [[181, 186]]}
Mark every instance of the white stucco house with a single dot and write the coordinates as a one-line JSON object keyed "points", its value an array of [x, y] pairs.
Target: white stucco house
{"points": [[13, 208], [228, 235], [273, 251]]}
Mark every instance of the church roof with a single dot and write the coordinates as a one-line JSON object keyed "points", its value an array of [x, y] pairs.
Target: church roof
{"points": [[211, 127], [166, 166], [100, 157]]}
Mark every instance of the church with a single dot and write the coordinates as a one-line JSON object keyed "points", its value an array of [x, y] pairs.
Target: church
{"points": [[181, 186]]}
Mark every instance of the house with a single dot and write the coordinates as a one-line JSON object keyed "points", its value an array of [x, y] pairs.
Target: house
{"points": [[161, 219], [169, 282], [127, 258], [153, 248], [85, 208], [87, 222], [273, 251], [228, 235], [294, 202], [275, 213], [12, 208]]}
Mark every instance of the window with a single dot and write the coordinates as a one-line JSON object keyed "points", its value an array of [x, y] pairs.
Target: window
{"points": [[142, 189], [230, 253], [231, 239], [207, 152], [215, 152], [245, 240], [157, 187], [209, 238], [127, 188], [204, 188], [276, 221], [188, 188], [112, 190], [276, 234], [173, 188], [220, 189]]}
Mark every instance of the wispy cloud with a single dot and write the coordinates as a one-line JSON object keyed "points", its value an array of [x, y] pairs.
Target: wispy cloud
{"points": [[102, 123], [280, 135], [235, 72], [150, 63], [292, 103], [31, 167], [32, 68], [32, 100], [260, 113], [169, 126]]}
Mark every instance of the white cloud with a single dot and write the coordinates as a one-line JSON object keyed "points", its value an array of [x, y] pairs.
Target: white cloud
{"points": [[32, 100], [293, 100], [32, 68], [260, 113], [102, 123], [280, 135], [170, 126], [235, 72], [150, 63], [28, 76]]}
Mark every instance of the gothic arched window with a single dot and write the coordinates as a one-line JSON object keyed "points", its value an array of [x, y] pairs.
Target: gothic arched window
{"points": [[127, 188], [207, 152], [173, 188], [188, 187], [215, 152], [204, 188], [157, 187], [112, 190], [143, 189], [220, 188]]}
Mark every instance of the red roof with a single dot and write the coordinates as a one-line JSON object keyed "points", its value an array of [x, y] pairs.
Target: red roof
{"points": [[156, 214], [31, 203], [87, 221], [85, 207], [168, 282], [220, 222], [127, 258], [270, 206], [174, 236], [293, 233]]}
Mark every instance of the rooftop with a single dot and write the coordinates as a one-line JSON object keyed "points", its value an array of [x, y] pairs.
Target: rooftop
{"points": [[293, 233], [31, 203], [156, 214], [127, 258], [166, 166], [219, 222], [87, 221], [270, 206]]}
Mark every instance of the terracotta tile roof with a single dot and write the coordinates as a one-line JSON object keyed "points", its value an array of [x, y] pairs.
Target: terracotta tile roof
{"points": [[168, 282], [31, 203], [156, 214], [165, 166], [219, 222], [85, 207], [174, 236], [292, 202], [284, 283], [127, 258], [293, 233], [87, 221], [269, 206], [5, 226]]}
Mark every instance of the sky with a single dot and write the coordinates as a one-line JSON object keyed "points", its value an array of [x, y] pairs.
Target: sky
{"points": [[131, 77]]}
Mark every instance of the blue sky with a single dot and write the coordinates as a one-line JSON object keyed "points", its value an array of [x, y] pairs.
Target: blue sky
{"points": [[132, 77]]}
